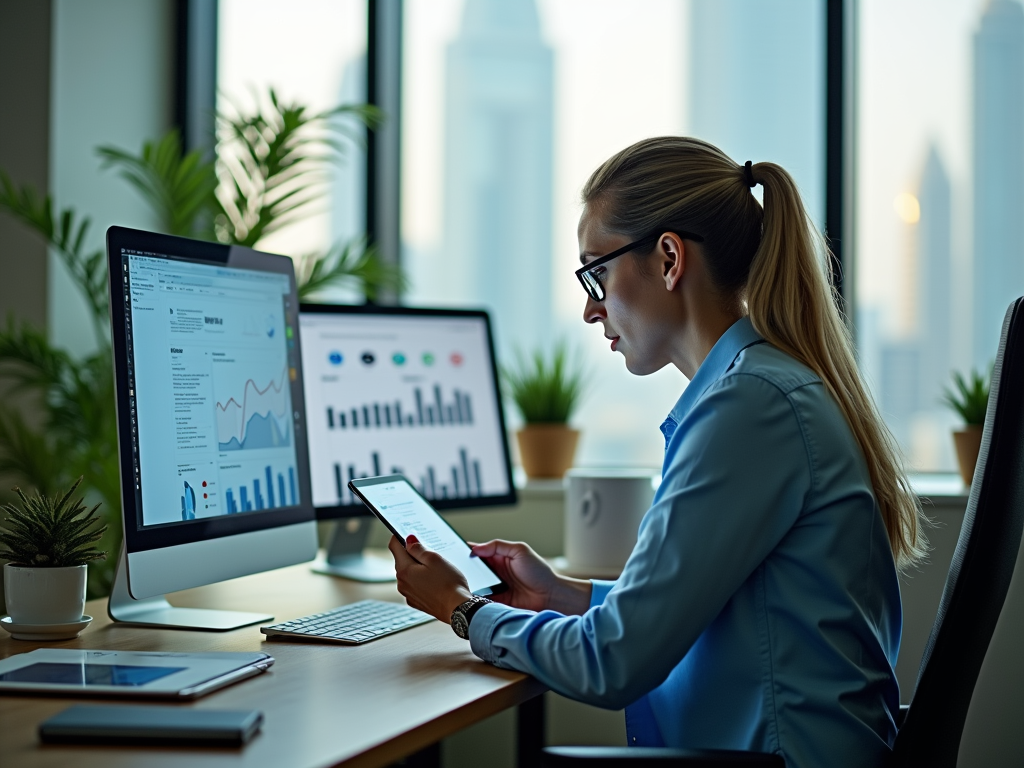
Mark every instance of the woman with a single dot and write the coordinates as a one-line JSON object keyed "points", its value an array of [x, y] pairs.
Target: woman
{"points": [[760, 609]]}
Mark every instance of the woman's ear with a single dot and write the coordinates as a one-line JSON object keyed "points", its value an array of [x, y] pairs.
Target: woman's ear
{"points": [[673, 264]]}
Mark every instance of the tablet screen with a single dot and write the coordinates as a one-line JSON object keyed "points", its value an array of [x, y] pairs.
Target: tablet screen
{"points": [[87, 674], [409, 513]]}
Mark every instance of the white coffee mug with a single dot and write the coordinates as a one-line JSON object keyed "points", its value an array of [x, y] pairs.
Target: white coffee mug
{"points": [[603, 509]]}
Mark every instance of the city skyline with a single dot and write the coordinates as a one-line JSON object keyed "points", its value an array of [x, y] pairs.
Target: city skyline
{"points": [[913, 96], [998, 155], [499, 168]]}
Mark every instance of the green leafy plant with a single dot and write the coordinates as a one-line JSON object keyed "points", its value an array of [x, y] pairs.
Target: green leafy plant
{"points": [[178, 187], [357, 263], [546, 391], [273, 162], [51, 531], [268, 169], [970, 397]]}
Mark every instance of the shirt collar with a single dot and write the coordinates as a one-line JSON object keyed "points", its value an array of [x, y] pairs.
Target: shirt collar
{"points": [[738, 337]]}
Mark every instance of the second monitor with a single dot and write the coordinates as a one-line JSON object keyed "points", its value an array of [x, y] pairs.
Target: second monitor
{"points": [[397, 390]]}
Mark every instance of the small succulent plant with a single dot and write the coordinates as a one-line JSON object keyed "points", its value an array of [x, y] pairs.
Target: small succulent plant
{"points": [[970, 399], [546, 392], [50, 532]]}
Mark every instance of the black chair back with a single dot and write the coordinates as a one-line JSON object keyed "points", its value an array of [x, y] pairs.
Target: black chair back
{"points": [[980, 573]]}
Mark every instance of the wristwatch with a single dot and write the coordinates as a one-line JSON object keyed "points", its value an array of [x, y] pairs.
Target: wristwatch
{"points": [[462, 615]]}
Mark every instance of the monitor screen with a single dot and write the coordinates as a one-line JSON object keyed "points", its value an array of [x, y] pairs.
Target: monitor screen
{"points": [[214, 394], [403, 391]]}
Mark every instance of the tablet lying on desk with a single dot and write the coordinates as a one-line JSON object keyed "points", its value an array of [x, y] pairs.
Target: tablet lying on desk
{"points": [[405, 512], [126, 673]]}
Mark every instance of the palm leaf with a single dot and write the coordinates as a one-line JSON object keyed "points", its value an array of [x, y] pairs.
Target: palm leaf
{"points": [[355, 263], [179, 187], [66, 233], [274, 161]]}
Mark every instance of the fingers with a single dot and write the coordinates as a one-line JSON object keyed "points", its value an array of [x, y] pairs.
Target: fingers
{"points": [[415, 548], [496, 547], [403, 559]]}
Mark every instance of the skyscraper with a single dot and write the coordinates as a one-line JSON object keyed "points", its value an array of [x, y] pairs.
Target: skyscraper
{"points": [[498, 168], [757, 85], [998, 171], [934, 265]]}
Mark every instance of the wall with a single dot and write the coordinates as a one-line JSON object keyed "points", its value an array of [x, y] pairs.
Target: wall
{"points": [[112, 83], [24, 151]]}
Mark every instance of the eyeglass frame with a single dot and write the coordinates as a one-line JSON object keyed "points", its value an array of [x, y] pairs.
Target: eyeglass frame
{"points": [[602, 260]]}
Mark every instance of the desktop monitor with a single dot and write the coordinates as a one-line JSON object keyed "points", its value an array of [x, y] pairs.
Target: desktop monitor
{"points": [[398, 390], [211, 422]]}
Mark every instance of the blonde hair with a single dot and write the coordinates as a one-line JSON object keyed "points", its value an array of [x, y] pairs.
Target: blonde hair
{"points": [[773, 259]]}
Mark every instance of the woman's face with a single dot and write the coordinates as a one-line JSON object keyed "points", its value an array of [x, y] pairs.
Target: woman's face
{"points": [[639, 313]]}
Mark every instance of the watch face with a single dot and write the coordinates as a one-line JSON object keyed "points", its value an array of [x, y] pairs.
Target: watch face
{"points": [[460, 625]]}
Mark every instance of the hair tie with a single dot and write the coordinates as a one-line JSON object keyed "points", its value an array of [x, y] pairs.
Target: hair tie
{"points": [[748, 174]]}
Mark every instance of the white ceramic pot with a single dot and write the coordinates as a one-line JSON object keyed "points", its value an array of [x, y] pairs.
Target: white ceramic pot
{"points": [[45, 595], [603, 509]]}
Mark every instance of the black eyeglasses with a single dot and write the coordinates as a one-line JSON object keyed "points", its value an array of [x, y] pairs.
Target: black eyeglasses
{"points": [[590, 275]]}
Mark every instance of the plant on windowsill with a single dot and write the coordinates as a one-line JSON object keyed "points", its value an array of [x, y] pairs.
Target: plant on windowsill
{"points": [[969, 399], [49, 541], [546, 393]]}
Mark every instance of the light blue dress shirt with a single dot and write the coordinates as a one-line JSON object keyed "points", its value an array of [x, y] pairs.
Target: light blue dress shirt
{"points": [[760, 609]]}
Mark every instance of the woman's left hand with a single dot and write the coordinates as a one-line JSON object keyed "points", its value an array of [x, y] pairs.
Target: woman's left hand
{"points": [[427, 581]]}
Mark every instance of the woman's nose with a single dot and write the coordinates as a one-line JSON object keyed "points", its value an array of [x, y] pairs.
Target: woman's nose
{"points": [[593, 311]]}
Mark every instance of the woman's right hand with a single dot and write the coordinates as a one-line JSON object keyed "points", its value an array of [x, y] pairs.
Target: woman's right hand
{"points": [[532, 583]]}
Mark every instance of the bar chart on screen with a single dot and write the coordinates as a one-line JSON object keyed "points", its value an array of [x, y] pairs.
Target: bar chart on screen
{"points": [[424, 409], [461, 479], [402, 395]]}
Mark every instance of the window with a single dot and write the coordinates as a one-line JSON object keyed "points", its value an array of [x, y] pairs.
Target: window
{"points": [[509, 105], [313, 52], [940, 203]]}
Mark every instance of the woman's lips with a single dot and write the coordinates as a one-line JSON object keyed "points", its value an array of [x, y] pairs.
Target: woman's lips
{"points": [[615, 341]]}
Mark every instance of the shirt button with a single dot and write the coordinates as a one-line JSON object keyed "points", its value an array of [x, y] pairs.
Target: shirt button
{"points": [[634, 739]]}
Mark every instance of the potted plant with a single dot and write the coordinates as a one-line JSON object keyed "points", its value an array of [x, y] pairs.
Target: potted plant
{"points": [[48, 541], [546, 393], [970, 401]]}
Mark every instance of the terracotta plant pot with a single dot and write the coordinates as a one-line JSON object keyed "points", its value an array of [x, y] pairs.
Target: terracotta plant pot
{"points": [[968, 444], [547, 450]]}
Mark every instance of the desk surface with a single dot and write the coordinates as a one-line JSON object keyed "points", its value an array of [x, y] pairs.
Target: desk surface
{"points": [[324, 704]]}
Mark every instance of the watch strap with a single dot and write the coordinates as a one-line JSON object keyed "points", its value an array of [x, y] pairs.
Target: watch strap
{"points": [[475, 605], [463, 615]]}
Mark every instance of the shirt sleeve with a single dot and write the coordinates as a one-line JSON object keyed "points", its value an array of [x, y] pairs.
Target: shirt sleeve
{"points": [[736, 478], [599, 591]]}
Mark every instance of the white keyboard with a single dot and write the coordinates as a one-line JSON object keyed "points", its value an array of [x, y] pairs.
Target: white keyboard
{"points": [[353, 623]]}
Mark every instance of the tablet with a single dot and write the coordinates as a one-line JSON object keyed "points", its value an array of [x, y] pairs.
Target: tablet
{"points": [[404, 511], [126, 673]]}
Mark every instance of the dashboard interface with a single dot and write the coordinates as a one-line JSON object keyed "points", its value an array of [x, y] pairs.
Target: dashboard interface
{"points": [[410, 394], [212, 363]]}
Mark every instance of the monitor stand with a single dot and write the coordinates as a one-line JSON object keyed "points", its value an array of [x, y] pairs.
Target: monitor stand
{"points": [[345, 556], [157, 612]]}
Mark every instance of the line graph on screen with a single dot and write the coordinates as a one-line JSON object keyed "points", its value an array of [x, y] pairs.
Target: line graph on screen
{"points": [[258, 418]]}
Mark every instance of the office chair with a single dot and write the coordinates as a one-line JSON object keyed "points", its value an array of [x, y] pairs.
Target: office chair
{"points": [[931, 726]]}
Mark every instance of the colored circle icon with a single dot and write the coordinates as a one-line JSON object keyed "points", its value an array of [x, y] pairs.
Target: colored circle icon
{"points": [[335, 358], [428, 358], [368, 358], [456, 358], [398, 358]]}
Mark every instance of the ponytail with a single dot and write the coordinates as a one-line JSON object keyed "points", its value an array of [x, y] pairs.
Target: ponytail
{"points": [[773, 258]]}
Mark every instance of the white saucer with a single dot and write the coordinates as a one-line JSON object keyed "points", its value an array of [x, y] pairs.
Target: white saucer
{"points": [[45, 631]]}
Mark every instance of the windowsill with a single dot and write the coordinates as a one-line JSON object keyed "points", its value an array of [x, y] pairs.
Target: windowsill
{"points": [[939, 487], [946, 488]]}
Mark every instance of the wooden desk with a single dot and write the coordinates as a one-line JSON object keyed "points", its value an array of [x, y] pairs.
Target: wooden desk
{"points": [[324, 704]]}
